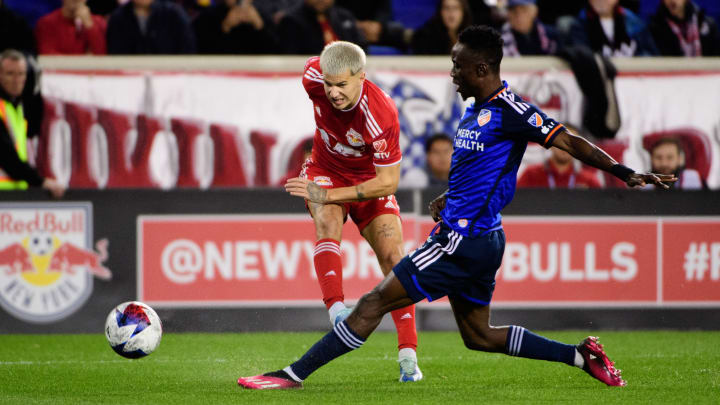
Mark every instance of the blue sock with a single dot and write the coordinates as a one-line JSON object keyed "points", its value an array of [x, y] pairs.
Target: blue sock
{"points": [[337, 342], [523, 343]]}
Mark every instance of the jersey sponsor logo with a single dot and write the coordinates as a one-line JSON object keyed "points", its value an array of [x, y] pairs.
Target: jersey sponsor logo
{"points": [[323, 181], [354, 138], [484, 117], [535, 120], [546, 128], [337, 147], [462, 222], [381, 155], [317, 109], [380, 146]]}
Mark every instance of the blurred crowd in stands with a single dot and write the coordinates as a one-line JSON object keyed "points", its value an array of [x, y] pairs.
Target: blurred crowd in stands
{"points": [[573, 30], [421, 27]]}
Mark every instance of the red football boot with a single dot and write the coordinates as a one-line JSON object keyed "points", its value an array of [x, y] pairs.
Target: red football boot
{"points": [[597, 363], [269, 381]]}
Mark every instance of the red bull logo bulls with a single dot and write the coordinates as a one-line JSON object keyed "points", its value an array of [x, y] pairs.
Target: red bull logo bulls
{"points": [[47, 262]]}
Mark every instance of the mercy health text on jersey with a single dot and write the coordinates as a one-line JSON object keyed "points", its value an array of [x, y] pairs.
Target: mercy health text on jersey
{"points": [[47, 262]]}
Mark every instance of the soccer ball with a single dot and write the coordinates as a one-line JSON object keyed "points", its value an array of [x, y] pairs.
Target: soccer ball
{"points": [[133, 329]]}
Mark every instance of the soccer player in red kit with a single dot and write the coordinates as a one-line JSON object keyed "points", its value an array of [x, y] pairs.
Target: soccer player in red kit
{"points": [[354, 170]]}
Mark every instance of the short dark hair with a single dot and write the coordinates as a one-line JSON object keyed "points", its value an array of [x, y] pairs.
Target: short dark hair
{"points": [[440, 136], [669, 140], [485, 41]]}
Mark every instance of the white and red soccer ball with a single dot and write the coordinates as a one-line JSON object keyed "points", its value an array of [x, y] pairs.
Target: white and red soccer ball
{"points": [[133, 329]]}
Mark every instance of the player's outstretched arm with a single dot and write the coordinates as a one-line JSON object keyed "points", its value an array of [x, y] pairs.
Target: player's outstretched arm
{"points": [[586, 152], [383, 184]]}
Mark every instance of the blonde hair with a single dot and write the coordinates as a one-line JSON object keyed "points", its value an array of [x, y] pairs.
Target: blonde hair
{"points": [[339, 56]]}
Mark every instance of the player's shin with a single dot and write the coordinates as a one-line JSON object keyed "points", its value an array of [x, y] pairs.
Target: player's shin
{"points": [[337, 342], [328, 267], [523, 343], [404, 319]]}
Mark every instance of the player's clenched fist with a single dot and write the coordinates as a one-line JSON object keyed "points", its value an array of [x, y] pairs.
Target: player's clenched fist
{"points": [[306, 189]]}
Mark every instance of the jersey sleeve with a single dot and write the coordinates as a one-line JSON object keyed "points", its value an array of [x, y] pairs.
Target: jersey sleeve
{"points": [[386, 147], [312, 75], [527, 122]]}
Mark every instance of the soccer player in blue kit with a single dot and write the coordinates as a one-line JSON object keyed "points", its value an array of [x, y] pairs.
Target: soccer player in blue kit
{"points": [[461, 259]]}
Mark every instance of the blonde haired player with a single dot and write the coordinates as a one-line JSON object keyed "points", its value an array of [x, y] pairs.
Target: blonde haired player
{"points": [[354, 170]]}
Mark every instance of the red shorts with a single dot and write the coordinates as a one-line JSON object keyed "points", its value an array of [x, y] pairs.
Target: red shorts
{"points": [[361, 212]]}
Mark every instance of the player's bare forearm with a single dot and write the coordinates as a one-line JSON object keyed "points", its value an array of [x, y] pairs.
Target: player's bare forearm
{"points": [[373, 188], [383, 184], [586, 152], [583, 150]]}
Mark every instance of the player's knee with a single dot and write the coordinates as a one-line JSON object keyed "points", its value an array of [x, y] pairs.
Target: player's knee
{"points": [[388, 260], [328, 229]]}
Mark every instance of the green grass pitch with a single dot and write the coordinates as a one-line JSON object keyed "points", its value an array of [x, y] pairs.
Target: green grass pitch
{"points": [[660, 367]]}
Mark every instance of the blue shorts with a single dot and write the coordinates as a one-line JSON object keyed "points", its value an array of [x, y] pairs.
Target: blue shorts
{"points": [[453, 265]]}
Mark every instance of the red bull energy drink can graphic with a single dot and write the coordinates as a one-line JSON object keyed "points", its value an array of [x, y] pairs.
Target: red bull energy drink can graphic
{"points": [[48, 260]]}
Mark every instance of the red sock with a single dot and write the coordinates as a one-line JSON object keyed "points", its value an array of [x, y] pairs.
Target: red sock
{"points": [[328, 267], [405, 324]]}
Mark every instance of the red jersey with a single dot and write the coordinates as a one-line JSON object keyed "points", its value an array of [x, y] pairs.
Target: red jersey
{"points": [[545, 175], [352, 142]]}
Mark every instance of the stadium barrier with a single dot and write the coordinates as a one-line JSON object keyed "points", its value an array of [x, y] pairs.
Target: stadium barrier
{"points": [[200, 122], [241, 259]]}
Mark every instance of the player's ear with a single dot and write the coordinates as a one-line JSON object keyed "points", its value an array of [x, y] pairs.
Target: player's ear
{"points": [[362, 75], [481, 69]]}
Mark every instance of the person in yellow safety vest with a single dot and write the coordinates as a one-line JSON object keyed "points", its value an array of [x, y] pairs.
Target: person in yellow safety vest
{"points": [[15, 172]]}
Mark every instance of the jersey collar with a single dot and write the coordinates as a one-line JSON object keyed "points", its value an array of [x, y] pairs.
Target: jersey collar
{"points": [[492, 95]]}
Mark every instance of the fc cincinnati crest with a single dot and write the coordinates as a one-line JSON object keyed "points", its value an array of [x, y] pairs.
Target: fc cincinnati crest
{"points": [[484, 117], [47, 263], [354, 138], [535, 120]]}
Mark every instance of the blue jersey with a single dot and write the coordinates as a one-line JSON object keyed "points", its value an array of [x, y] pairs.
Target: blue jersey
{"points": [[489, 145]]}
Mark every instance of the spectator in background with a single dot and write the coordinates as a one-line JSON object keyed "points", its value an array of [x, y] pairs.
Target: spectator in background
{"points": [[558, 172], [234, 27], [611, 30], [149, 27], [306, 29], [439, 34], [668, 157], [524, 34], [71, 30], [102, 7], [681, 28], [438, 155], [277, 8], [15, 33], [15, 172], [376, 24]]}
